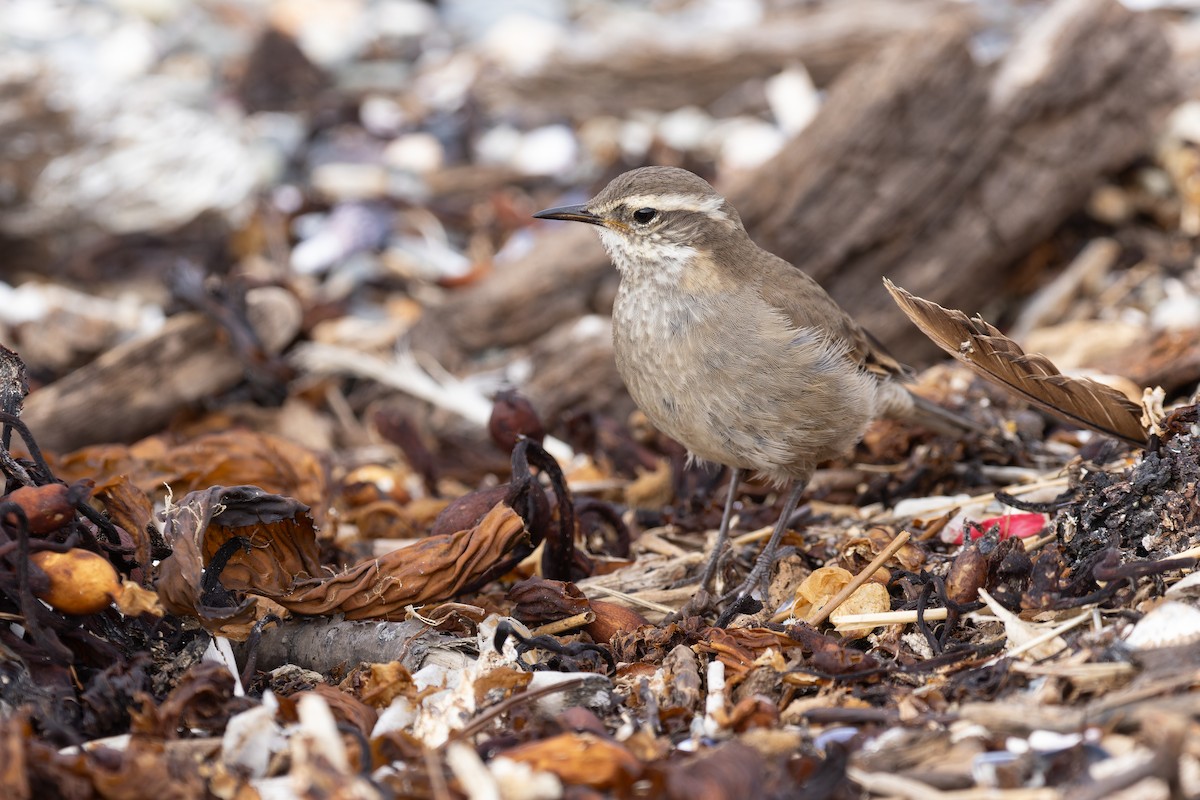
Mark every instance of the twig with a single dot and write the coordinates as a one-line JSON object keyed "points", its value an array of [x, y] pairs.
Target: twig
{"points": [[858, 580], [478, 724], [632, 599], [887, 783], [874, 620], [753, 536], [437, 779], [565, 624], [1078, 619]]}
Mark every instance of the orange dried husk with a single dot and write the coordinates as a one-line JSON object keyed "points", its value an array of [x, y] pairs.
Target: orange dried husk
{"points": [[81, 582], [870, 598]]}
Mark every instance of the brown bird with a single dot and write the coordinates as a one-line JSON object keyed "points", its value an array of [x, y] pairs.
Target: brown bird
{"points": [[732, 351]]}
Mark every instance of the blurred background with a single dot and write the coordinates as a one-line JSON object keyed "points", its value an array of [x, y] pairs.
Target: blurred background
{"points": [[375, 164]]}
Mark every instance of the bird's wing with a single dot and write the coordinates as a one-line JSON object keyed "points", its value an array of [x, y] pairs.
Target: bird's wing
{"points": [[802, 300]]}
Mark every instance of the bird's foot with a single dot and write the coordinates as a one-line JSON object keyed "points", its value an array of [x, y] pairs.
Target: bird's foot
{"points": [[742, 600], [697, 606], [705, 578]]}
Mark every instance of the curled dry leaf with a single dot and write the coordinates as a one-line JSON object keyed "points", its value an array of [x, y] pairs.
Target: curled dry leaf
{"points": [[433, 569], [131, 509], [135, 601], [539, 600], [739, 648], [378, 685], [280, 561], [857, 552], [282, 547], [818, 588], [815, 591]]}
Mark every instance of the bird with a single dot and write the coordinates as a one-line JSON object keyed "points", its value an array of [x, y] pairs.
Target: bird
{"points": [[732, 351]]}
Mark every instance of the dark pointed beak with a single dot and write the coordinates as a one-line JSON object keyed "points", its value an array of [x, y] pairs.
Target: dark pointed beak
{"points": [[571, 214]]}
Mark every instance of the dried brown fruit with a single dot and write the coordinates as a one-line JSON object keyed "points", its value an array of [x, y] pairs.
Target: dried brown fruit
{"points": [[81, 582], [47, 508], [612, 619], [513, 416], [968, 574]]}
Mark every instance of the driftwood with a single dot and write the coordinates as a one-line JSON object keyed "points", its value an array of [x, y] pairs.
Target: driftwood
{"points": [[663, 68], [939, 173], [924, 166], [135, 389]]}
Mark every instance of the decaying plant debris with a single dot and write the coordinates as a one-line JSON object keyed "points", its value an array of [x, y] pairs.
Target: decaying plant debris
{"points": [[319, 480]]}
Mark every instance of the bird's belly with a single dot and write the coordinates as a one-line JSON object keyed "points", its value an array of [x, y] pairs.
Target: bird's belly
{"points": [[736, 395]]}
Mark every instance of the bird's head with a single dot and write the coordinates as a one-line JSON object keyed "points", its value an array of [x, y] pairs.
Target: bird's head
{"points": [[655, 221]]}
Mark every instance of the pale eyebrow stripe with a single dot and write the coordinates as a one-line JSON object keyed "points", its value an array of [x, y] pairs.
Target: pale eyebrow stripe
{"points": [[676, 202]]}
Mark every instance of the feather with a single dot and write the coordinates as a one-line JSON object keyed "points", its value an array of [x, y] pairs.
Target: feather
{"points": [[993, 355]]}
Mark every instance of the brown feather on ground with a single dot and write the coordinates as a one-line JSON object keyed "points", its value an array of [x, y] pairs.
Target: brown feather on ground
{"points": [[993, 355]]}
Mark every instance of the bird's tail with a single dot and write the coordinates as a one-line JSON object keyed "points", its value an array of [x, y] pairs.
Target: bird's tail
{"points": [[929, 414]]}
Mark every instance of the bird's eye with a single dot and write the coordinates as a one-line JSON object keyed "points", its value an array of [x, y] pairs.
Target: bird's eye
{"points": [[644, 215]]}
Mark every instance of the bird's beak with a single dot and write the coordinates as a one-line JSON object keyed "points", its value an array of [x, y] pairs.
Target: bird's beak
{"points": [[571, 214]]}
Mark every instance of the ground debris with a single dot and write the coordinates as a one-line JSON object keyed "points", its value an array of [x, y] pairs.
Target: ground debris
{"points": [[319, 479]]}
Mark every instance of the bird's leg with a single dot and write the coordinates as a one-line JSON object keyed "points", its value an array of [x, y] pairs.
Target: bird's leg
{"points": [[762, 566], [710, 570]]}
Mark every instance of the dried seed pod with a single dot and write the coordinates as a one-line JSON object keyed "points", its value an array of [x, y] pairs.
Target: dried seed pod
{"points": [[968, 574], [612, 619], [466, 511], [512, 416], [81, 582], [47, 508]]}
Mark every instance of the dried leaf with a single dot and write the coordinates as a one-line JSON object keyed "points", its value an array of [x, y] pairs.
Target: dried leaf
{"points": [[131, 509], [282, 546], [135, 601], [739, 648], [539, 600], [432, 569], [819, 588], [281, 562], [993, 355]]}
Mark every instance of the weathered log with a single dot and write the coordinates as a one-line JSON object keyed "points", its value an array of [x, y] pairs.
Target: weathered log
{"points": [[940, 173], [655, 68], [136, 388]]}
